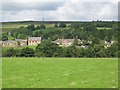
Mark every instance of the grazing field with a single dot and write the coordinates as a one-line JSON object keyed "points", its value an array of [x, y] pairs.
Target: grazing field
{"points": [[103, 28], [60, 72], [14, 26]]}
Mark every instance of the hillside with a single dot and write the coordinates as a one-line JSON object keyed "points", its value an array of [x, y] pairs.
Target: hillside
{"points": [[9, 26]]}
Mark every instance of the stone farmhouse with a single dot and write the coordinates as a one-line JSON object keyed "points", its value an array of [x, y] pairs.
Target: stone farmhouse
{"points": [[9, 43], [34, 41], [108, 44], [66, 42], [23, 42], [31, 41]]}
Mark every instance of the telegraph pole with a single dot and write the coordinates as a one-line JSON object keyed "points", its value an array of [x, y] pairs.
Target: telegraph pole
{"points": [[43, 17]]}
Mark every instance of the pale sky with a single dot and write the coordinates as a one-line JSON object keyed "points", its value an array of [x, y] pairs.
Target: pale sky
{"points": [[66, 10]]}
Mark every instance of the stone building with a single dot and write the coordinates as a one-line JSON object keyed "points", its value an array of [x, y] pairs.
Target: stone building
{"points": [[23, 42], [9, 43], [34, 41], [66, 42]]}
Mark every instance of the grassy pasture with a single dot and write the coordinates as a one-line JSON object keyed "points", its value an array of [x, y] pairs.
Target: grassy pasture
{"points": [[12, 26], [7, 27], [60, 72], [103, 28]]}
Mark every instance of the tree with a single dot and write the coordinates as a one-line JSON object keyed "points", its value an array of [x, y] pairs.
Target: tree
{"points": [[62, 25], [42, 26], [37, 33], [11, 52], [72, 51], [27, 52], [18, 43], [47, 48], [55, 25], [96, 41], [4, 37], [75, 41], [37, 27], [101, 53], [31, 27], [91, 38], [75, 25], [22, 36], [89, 27], [107, 39]]}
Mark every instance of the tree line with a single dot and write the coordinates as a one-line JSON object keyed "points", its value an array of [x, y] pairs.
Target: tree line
{"points": [[85, 31], [50, 49]]}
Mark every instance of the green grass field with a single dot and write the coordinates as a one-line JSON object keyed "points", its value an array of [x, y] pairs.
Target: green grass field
{"points": [[7, 27], [13, 26], [60, 72], [103, 28]]}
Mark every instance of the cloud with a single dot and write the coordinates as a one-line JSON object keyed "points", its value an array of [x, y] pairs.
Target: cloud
{"points": [[73, 10], [86, 11], [18, 6]]}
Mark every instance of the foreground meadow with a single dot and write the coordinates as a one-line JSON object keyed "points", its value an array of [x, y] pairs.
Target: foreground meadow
{"points": [[60, 73]]}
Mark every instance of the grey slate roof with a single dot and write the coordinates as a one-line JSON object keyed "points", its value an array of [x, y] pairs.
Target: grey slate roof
{"points": [[34, 38], [21, 40], [67, 40], [9, 42]]}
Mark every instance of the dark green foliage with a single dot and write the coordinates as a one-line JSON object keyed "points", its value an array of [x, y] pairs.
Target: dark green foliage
{"points": [[22, 36], [27, 52], [37, 33], [75, 41], [42, 26], [62, 25], [103, 24], [75, 25], [47, 48], [89, 27], [11, 52], [72, 51], [55, 25], [31, 27], [21, 33], [85, 31], [4, 37]]}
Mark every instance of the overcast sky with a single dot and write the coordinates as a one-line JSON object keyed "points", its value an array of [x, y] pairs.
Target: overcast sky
{"points": [[71, 10]]}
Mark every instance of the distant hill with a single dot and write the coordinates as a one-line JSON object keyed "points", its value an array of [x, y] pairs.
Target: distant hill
{"points": [[9, 26]]}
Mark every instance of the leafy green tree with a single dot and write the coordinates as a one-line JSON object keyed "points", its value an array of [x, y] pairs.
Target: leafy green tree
{"points": [[58, 52], [27, 52], [4, 37], [22, 36], [55, 25], [75, 26], [47, 48], [72, 51], [89, 27], [24, 30], [42, 26], [38, 33], [39, 54], [18, 43], [38, 27], [107, 38], [11, 52], [96, 41], [31, 27], [75, 41], [101, 53], [91, 38], [62, 25]]}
